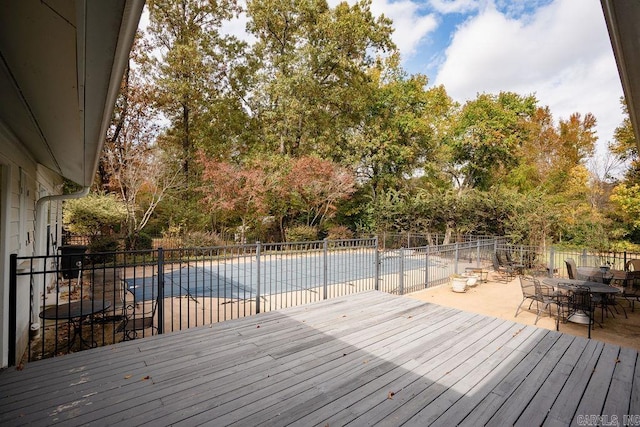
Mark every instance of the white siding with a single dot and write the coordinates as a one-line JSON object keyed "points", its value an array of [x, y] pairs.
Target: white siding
{"points": [[21, 182]]}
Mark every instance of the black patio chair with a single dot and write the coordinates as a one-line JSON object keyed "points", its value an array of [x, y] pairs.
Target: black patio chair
{"points": [[543, 295], [630, 285], [506, 272], [572, 269], [581, 303], [139, 316]]}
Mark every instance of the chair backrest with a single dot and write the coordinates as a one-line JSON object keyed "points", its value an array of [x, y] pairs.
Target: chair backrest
{"points": [[501, 258], [632, 265], [496, 263], [529, 286], [581, 299], [572, 270]]}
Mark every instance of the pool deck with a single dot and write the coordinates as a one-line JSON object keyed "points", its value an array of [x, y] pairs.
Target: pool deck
{"points": [[367, 358]]}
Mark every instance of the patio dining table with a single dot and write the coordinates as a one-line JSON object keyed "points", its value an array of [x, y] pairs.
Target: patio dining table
{"points": [[75, 313], [598, 288], [572, 284]]}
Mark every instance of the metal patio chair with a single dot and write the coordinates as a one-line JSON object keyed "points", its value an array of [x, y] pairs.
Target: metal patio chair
{"points": [[543, 295], [139, 316], [506, 272]]}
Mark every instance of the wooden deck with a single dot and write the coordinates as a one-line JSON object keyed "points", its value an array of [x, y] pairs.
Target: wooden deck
{"points": [[369, 358]]}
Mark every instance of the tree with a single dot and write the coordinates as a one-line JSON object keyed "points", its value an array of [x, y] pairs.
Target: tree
{"points": [[316, 186], [132, 165], [398, 137], [311, 84], [487, 136], [94, 215], [196, 76]]}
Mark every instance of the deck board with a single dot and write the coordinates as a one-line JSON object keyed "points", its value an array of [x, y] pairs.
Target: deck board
{"points": [[368, 358]]}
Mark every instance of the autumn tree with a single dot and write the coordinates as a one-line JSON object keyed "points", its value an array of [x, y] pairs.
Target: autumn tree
{"points": [[234, 191], [317, 186], [132, 166]]}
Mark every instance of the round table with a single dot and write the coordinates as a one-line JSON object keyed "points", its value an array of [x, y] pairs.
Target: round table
{"points": [[75, 313]]}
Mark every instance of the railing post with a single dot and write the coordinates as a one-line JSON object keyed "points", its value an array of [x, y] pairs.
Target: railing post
{"points": [[478, 253], [401, 277], [455, 265], [376, 285], [426, 268], [160, 296], [552, 255], [325, 268], [13, 309], [258, 277]]}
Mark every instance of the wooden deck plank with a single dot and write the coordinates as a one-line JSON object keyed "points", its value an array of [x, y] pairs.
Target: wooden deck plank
{"points": [[226, 391], [486, 360], [434, 366], [618, 401], [334, 396], [564, 408], [592, 402], [521, 397], [203, 374], [494, 398], [539, 406], [188, 346], [418, 395], [517, 350], [334, 366], [333, 362]]}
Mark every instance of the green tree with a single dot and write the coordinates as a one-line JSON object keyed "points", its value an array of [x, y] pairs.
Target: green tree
{"points": [[487, 136], [311, 83], [94, 215], [197, 76]]}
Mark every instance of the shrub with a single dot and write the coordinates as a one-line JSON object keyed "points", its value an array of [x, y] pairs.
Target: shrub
{"points": [[301, 233], [101, 244], [140, 241], [202, 239], [93, 214], [339, 232]]}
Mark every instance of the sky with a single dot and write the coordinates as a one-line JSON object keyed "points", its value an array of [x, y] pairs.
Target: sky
{"points": [[557, 50]]}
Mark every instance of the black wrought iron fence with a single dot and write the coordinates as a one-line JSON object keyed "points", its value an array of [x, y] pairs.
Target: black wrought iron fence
{"points": [[75, 300], [78, 300]]}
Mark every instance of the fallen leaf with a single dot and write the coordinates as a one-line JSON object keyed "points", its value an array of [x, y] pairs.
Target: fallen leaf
{"points": [[146, 378], [390, 395], [258, 326], [126, 377]]}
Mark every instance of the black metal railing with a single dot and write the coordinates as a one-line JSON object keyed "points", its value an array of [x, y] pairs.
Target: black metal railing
{"points": [[73, 300]]}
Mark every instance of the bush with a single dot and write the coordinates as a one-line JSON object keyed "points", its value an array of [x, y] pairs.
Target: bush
{"points": [[202, 239], [101, 244], [339, 232], [140, 241], [301, 233], [93, 214]]}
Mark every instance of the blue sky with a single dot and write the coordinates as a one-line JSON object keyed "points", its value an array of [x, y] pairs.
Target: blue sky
{"points": [[558, 50]]}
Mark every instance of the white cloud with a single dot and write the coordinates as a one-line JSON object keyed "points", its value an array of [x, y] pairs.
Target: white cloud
{"points": [[561, 53], [410, 27], [455, 6]]}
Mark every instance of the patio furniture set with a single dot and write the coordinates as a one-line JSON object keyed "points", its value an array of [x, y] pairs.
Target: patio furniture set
{"points": [[587, 290]]}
